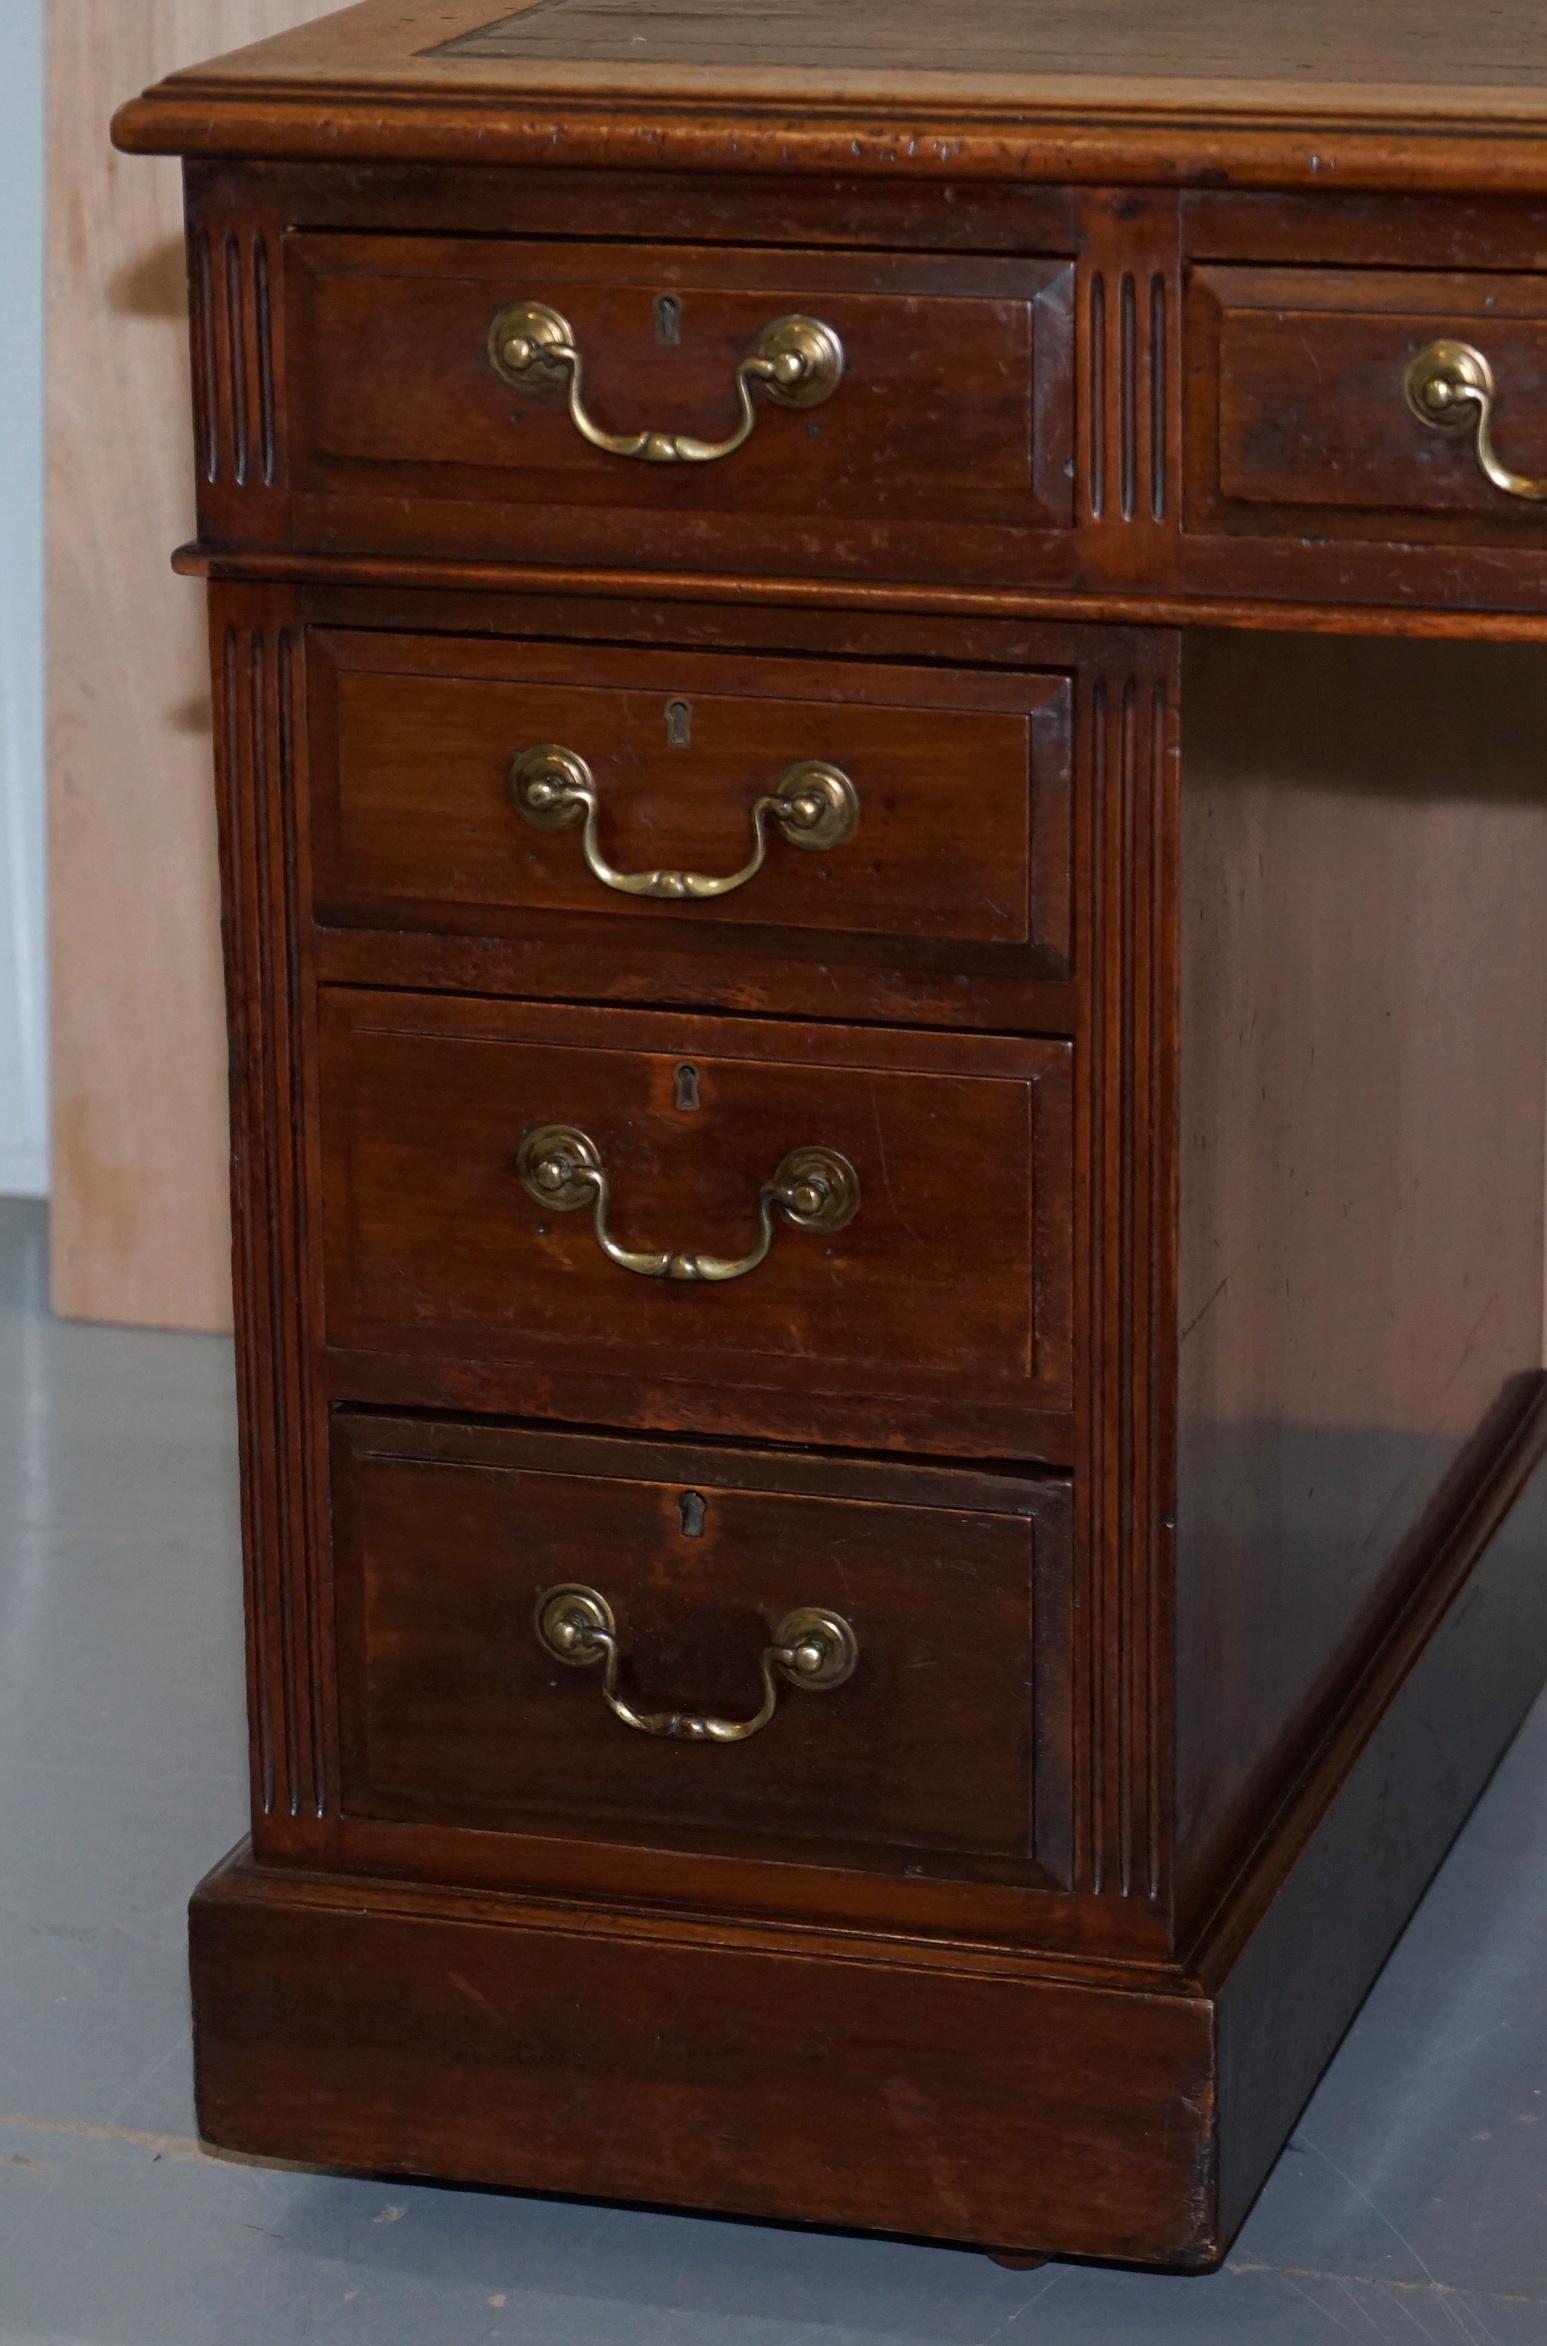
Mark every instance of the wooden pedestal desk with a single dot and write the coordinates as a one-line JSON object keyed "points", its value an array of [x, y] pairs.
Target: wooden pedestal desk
{"points": [[889, 1333]]}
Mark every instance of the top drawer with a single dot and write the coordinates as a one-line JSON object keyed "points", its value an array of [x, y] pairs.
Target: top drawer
{"points": [[831, 413], [1324, 419]]}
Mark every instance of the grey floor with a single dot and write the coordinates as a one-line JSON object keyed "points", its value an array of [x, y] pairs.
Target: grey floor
{"points": [[1413, 2199]]}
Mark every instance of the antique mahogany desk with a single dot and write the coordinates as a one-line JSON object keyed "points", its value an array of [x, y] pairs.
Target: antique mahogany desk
{"points": [[880, 714]]}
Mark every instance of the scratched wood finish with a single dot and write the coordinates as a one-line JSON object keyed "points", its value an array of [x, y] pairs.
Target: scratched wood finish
{"points": [[1391, 517], [415, 828], [435, 1251], [1300, 424], [1188, 1330], [1319, 95], [1113, 2111], [1312, 43], [949, 1741], [402, 434], [404, 2028]]}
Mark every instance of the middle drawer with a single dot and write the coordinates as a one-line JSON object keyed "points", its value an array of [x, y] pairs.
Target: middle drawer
{"points": [[822, 1235]]}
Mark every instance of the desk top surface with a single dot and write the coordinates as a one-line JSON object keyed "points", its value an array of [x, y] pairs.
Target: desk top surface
{"points": [[1046, 81], [1425, 57]]}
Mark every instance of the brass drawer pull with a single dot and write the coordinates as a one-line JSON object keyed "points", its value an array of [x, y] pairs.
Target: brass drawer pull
{"points": [[798, 361], [812, 1649], [1450, 388], [814, 805], [815, 1189]]}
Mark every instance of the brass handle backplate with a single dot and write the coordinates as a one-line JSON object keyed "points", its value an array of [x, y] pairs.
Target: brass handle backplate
{"points": [[814, 1189], [812, 1649], [814, 805], [1450, 388], [797, 361]]}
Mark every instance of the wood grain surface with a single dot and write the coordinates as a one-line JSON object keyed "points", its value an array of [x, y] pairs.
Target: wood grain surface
{"points": [[932, 1760], [1362, 1161], [1312, 44], [1226, 1227], [398, 2026], [1271, 96], [435, 1254], [138, 1042], [1298, 424], [400, 435], [1152, 532], [414, 828], [1112, 2110]]}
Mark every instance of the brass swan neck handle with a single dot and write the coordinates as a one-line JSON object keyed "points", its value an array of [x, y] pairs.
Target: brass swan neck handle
{"points": [[1450, 388], [812, 1649], [814, 1189], [797, 361], [813, 804]]}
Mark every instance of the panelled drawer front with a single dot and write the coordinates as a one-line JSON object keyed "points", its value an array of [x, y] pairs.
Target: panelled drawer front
{"points": [[956, 854], [1301, 419], [952, 413], [944, 1753], [950, 1284]]}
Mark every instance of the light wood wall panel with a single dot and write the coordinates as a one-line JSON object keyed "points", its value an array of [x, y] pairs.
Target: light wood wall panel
{"points": [[137, 1045]]}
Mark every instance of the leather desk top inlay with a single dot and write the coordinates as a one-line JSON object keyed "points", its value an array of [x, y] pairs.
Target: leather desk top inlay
{"points": [[1306, 41]]}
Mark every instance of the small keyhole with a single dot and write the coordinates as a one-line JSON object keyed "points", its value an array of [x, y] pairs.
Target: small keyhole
{"points": [[687, 1090], [690, 1507], [668, 319], [679, 724]]}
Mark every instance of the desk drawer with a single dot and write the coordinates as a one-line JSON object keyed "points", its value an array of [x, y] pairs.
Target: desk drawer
{"points": [[918, 1722], [1310, 428], [942, 402], [449, 787], [535, 1196]]}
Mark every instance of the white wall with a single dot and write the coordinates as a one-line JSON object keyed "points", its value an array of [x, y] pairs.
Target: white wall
{"points": [[23, 1101]]}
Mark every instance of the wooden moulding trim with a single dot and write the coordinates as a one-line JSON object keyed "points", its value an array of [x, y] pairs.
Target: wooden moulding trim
{"points": [[1169, 147], [1509, 1452], [255, 567], [242, 1879], [261, 733]]}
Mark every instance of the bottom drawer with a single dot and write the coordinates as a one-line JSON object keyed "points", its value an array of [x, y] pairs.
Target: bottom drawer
{"points": [[827, 1662]]}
